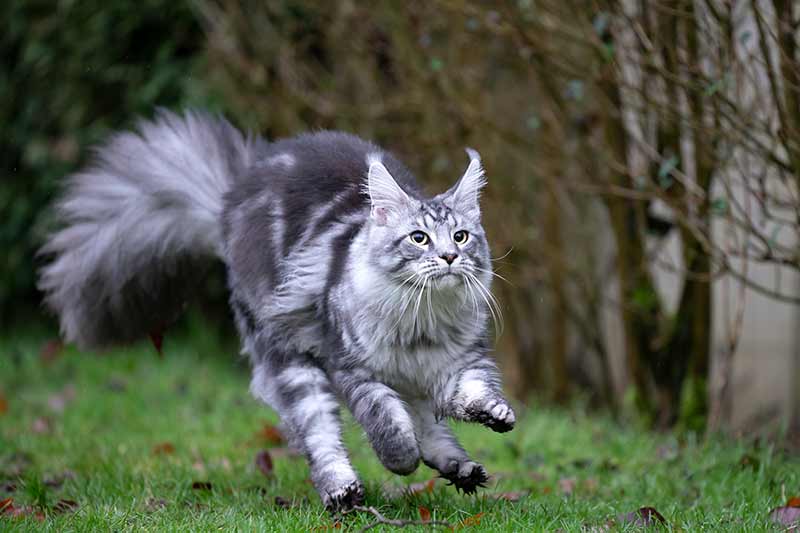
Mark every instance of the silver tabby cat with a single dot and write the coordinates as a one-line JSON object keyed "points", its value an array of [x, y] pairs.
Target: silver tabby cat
{"points": [[347, 283]]}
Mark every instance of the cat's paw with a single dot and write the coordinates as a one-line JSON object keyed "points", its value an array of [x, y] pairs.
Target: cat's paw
{"points": [[495, 414], [345, 498], [465, 475]]}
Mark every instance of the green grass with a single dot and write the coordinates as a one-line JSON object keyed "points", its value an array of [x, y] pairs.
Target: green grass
{"points": [[127, 403]]}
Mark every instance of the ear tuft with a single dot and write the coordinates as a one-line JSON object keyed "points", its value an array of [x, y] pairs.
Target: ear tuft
{"points": [[385, 194], [466, 193]]}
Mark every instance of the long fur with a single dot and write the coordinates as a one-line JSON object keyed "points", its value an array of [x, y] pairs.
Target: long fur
{"points": [[141, 226], [334, 300]]}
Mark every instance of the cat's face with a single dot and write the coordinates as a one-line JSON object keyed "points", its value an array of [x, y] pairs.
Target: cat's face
{"points": [[437, 243]]}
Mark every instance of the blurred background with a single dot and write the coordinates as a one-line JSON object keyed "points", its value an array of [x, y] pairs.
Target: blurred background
{"points": [[643, 158]]}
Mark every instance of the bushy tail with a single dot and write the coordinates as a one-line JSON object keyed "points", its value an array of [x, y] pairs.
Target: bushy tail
{"points": [[140, 227]]}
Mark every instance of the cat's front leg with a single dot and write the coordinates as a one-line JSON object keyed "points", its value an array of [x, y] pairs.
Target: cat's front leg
{"points": [[474, 394], [442, 452], [384, 417]]}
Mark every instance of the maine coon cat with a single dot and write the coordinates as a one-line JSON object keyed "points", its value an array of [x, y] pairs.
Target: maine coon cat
{"points": [[347, 283]]}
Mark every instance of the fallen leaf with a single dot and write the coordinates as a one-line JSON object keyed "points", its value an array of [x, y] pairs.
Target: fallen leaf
{"points": [[65, 506], [282, 502], [201, 485], [786, 516], [794, 501], [511, 496], [474, 520], [157, 338], [164, 448], [590, 484], [8, 508], [3, 404], [264, 463], [424, 514], [51, 350], [58, 402], [644, 516], [42, 425], [749, 461], [271, 435], [152, 505], [423, 487], [567, 485]]}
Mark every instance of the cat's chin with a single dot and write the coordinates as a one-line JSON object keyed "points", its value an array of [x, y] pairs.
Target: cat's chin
{"points": [[447, 281]]}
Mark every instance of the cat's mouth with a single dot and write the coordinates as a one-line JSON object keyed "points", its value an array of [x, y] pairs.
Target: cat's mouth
{"points": [[448, 278]]}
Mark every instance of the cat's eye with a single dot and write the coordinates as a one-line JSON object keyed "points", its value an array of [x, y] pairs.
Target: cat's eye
{"points": [[420, 238], [460, 237]]}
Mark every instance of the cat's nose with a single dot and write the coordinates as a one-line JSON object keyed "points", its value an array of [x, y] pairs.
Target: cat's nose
{"points": [[449, 258]]}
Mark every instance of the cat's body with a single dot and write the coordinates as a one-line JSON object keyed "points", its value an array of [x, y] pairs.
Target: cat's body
{"points": [[346, 282]]}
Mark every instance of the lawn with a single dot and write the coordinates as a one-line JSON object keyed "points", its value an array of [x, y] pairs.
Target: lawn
{"points": [[130, 441]]}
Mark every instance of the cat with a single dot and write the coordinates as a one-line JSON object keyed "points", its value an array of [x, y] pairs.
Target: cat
{"points": [[346, 282]]}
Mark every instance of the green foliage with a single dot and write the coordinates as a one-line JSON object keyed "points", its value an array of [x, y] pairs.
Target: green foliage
{"points": [[71, 71]]}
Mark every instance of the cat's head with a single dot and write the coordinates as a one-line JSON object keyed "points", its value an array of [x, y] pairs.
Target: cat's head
{"points": [[439, 242]]}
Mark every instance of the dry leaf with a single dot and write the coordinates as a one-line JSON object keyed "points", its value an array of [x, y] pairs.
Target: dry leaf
{"points": [[282, 502], [590, 484], [424, 514], [794, 501], [201, 485], [264, 463], [474, 520], [42, 425], [567, 485], [64, 506], [164, 448], [157, 338], [151, 505], [787, 516], [51, 350], [644, 516], [271, 435], [3, 404], [58, 402]]}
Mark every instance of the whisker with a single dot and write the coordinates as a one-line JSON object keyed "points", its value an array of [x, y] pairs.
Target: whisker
{"points": [[491, 303], [502, 256], [419, 300], [493, 273]]}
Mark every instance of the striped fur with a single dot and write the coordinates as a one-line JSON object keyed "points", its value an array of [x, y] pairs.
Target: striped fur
{"points": [[334, 299]]}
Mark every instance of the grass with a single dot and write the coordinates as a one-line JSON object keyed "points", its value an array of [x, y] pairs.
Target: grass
{"points": [[133, 433]]}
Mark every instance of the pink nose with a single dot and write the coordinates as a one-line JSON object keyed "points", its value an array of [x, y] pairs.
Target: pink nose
{"points": [[449, 258]]}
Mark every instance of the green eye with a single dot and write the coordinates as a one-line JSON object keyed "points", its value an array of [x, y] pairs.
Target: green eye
{"points": [[420, 238], [460, 237]]}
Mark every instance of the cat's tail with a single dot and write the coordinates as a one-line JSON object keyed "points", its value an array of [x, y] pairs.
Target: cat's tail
{"points": [[140, 226]]}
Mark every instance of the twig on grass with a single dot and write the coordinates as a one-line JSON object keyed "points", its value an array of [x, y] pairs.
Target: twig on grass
{"points": [[382, 520]]}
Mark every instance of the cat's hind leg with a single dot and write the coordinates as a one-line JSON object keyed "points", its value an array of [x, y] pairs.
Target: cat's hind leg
{"points": [[442, 452], [300, 391]]}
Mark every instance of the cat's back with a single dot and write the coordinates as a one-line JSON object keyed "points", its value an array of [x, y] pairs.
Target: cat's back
{"points": [[288, 215]]}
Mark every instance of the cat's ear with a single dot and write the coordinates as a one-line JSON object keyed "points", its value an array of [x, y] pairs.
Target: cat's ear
{"points": [[465, 195], [387, 198]]}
